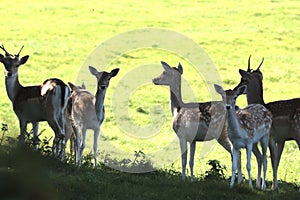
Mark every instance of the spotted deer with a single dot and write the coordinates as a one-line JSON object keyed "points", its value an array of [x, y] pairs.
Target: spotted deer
{"points": [[286, 115], [87, 111], [33, 104], [246, 127], [193, 122]]}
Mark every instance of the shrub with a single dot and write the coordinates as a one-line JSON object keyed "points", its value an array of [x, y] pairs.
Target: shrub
{"points": [[217, 170]]}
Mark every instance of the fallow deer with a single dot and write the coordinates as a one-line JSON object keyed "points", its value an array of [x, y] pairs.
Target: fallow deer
{"points": [[193, 122], [45, 102], [246, 127], [286, 115], [69, 128], [87, 111]]}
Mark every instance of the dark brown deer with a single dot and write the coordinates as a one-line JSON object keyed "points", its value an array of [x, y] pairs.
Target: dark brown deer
{"points": [[286, 115], [32, 104]]}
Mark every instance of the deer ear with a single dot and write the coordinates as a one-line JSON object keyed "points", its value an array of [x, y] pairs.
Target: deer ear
{"points": [[93, 70], [241, 90], [72, 86], [166, 66], [1, 58], [244, 74], [114, 72], [260, 75], [219, 89], [83, 85], [180, 69], [23, 60]]}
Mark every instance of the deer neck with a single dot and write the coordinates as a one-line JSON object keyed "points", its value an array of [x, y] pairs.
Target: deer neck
{"points": [[12, 85], [99, 104], [255, 93], [233, 124], [175, 96]]}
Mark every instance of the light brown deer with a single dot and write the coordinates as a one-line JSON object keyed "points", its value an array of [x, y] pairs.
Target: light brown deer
{"points": [[45, 102], [87, 111], [193, 122], [246, 127], [286, 115], [69, 128]]}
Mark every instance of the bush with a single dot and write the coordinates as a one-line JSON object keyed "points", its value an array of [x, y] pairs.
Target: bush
{"points": [[217, 171]]}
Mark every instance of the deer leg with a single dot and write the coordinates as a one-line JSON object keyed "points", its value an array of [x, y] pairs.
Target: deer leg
{"points": [[274, 153], [259, 160], [248, 166], [62, 142], [280, 147], [96, 134], [239, 168], [183, 148], [235, 157], [23, 130], [69, 135], [55, 127], [82, 145], [264, 146], [228, 146], [192, 155], [35, 127], [73, 142], [78, 133]]}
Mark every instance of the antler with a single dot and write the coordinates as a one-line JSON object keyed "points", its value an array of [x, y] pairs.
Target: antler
{"points": [[249, 70], [260, 63], [6, 53], [17, 55]]}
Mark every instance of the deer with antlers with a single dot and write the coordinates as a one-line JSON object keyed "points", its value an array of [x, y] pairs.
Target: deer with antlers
{"points": [[193, 122], [45, 102], [286, 115], [87, 111], [246, 127]]}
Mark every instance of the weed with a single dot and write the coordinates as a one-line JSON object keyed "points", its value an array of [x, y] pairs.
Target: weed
{"points": [[170, 171], [139, 164], [4, 130], [217, 170]]}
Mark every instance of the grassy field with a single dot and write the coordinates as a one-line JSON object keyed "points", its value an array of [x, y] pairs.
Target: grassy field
{"points": [[59, 37]]}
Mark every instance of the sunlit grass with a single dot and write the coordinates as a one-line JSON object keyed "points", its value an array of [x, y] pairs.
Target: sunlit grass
{"points": [[59, 36]]}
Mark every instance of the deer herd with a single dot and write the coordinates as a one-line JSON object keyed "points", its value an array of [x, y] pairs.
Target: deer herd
{"points": [[71, 110]]}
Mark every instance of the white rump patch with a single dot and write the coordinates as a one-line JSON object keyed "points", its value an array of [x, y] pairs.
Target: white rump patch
{"points": [[48, 86]]}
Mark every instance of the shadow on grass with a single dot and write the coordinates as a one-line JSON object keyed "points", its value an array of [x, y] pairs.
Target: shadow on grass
{"points": [[29, 174]]}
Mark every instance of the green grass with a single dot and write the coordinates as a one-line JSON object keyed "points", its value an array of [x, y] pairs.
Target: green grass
{"points": [[29, 175], [60, 35]]}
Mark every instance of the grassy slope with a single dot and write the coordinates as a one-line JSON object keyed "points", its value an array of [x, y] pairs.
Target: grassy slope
{"points": [[46, 178], [59, 36]]}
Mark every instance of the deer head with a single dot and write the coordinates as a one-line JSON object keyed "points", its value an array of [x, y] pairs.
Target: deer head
{"points": [[12, 62], [250, 76], [169, 74], [75, 87], [103, 77], [230, 96]]}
